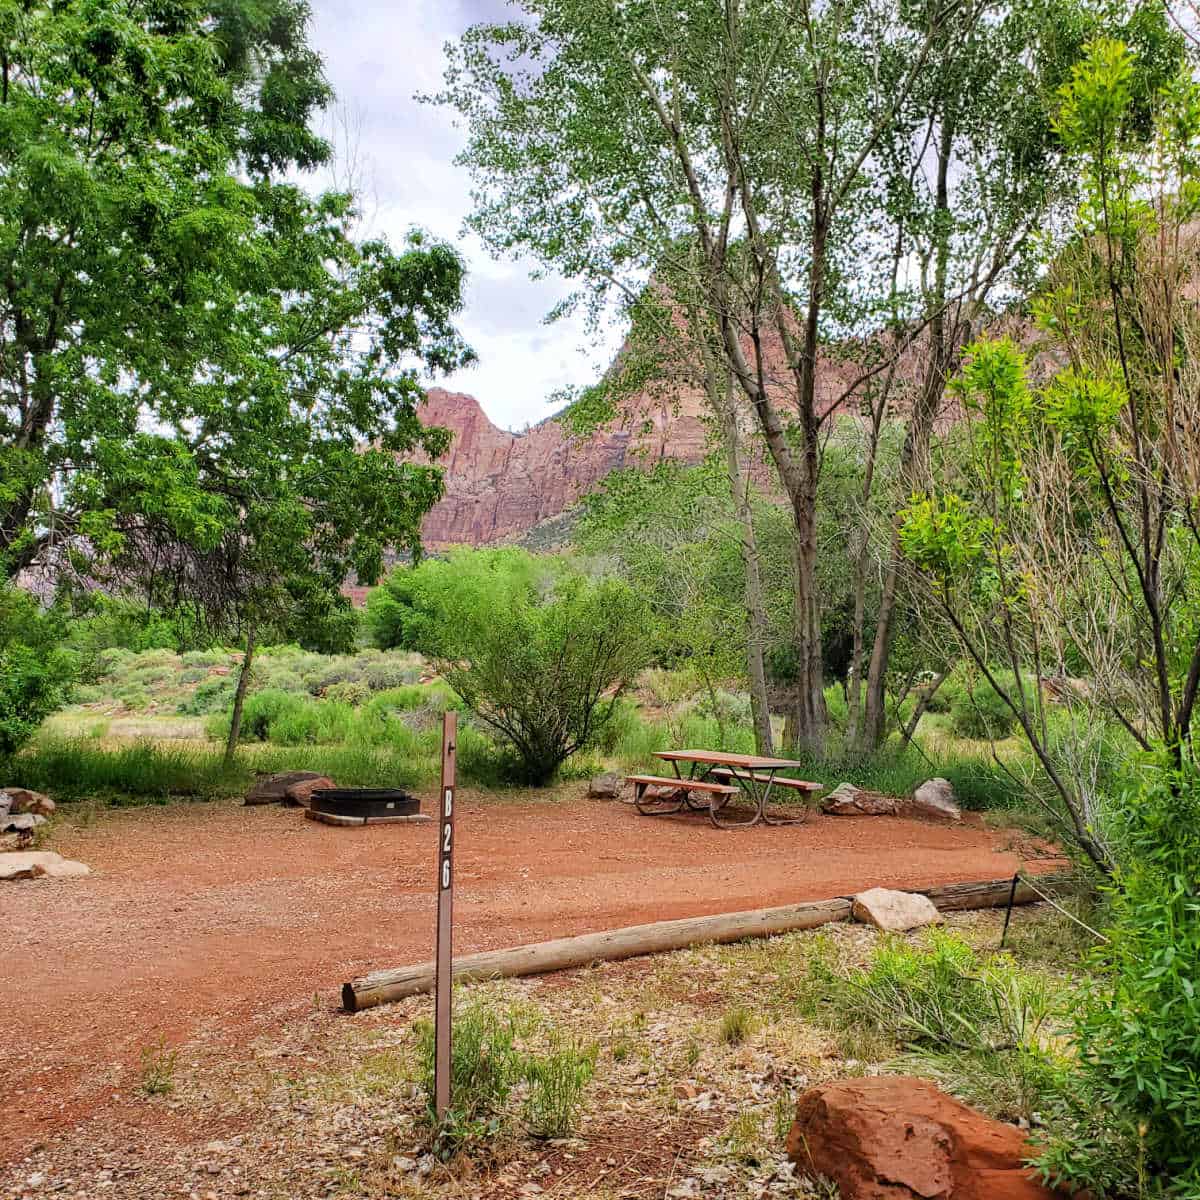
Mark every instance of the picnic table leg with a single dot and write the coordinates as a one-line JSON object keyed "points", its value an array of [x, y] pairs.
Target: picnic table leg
{"points": [[768, 820], [693, 805], [717, 803]]}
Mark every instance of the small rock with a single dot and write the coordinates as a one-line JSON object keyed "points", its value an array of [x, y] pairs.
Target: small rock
{"points": [[605, 787], [685, 1091], [846, 800], [21, 822], [299, 795], [403, 1164], [66, 869], [894, 912], [935, 800]]}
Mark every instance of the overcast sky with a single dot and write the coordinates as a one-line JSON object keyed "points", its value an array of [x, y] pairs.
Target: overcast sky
{"points": [[378, 54]]}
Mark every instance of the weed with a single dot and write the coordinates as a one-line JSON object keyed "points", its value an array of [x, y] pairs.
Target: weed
{"points": [[736, 1025], [556, 1085], [743, 1140], [158, 1069]]}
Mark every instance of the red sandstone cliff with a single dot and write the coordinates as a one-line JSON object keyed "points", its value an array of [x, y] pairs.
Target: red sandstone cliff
{"points": [[500, 485]]}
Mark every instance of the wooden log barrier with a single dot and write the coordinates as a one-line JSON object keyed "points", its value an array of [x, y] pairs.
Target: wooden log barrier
{"points": [[384, 987]]}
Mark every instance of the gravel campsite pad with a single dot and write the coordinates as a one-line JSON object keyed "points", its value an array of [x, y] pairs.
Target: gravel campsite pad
{"points": [[215, 937]]}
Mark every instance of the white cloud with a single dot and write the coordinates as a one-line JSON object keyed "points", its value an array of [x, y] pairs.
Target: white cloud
{"points": [[378, 56]]}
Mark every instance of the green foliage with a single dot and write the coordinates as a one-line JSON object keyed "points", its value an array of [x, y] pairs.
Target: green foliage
{"points": [[557, 1081], [36, 673], [1138, 1028], [155, 772], [938, 996], [486, 1064], [538, 650], [159, 1064], [979, 711], [208, 386]]}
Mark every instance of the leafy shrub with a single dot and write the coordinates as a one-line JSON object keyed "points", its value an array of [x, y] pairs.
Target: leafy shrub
{"points": [[980, 712], [1138, 1028], [36, 673], [349, 691], [205, 658], [390, 673], [538, 650], [485, 1066], [210, 696], [944, 996]]}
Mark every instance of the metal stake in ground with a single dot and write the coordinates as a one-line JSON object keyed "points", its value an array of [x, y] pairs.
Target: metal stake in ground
{"points": [[445, 920]]}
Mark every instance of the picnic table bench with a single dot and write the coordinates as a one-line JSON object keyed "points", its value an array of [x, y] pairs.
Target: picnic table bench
{"points": [[749, 774]]}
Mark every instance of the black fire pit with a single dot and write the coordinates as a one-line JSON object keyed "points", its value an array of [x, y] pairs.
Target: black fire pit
{"points": [[360, 806]]}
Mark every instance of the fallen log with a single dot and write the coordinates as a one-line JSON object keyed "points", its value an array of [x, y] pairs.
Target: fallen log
{"points": [[383, 987], [538, 958], [992, 893]]}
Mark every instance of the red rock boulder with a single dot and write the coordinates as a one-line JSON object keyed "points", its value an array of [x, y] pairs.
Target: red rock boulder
{"points": [[299, 795], [896, 1138]]}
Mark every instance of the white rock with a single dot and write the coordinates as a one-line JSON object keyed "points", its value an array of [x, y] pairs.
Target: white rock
{"points": [[935, 798], [894, 912], [67, 869], [27, 864]]}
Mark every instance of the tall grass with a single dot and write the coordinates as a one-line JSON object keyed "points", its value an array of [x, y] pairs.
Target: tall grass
{"points": [[157, 771]]}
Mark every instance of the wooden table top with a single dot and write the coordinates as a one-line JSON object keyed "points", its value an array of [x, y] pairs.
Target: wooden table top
{"points": [[724, 758]]}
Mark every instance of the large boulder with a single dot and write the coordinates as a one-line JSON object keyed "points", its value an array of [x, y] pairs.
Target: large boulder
{"points": [[22, 800], [299, 795], [897, 1138], [895, 912], [846, 800], [936, 801], [605, 787], [272, 789]]}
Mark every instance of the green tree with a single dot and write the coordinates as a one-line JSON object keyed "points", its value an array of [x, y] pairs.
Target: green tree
{"points": [[206, 383], [723, 143], [540, 652], [1074, 536]]}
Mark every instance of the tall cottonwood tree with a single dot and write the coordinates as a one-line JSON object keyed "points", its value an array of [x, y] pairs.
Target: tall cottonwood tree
{"points": [[604, 135]]}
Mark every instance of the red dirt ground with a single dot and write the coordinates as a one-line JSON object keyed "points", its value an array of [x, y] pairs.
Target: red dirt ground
{"points": [[216, 921]]}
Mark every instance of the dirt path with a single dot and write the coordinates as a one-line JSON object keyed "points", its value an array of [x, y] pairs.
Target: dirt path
{"points": [[215, 922]]}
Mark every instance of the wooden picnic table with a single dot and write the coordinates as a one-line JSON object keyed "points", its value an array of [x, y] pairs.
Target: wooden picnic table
{"points": [[752, 774]]}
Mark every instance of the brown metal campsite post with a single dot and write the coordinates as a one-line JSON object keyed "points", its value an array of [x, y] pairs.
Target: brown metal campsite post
{"points": [[445, 918]]}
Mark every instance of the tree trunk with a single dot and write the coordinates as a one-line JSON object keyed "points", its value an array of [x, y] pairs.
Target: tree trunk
{"points": [[809, 714], [756, 616], [914, 458], [239, 697]]}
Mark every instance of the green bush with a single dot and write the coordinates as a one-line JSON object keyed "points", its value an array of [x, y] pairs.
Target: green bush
{"points": [[485, 1066], [536, 648], [557, 1081], [141, 772], [1138, 1028], [350, 691], [212, 695], [980, 712], [36, 673]]}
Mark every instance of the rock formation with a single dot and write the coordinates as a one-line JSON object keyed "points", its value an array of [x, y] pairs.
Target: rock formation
{"points": [[499, 485]]}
